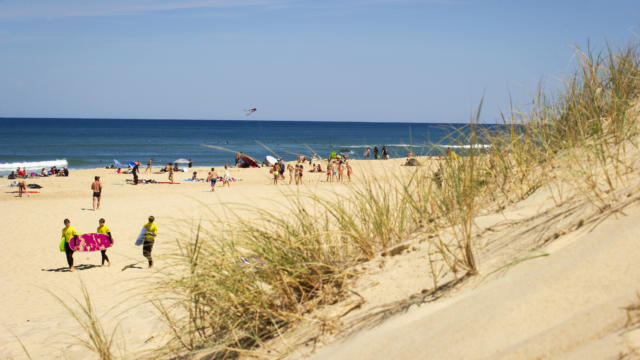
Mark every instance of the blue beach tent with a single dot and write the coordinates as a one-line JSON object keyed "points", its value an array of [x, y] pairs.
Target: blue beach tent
{"points": [[117, 164]]}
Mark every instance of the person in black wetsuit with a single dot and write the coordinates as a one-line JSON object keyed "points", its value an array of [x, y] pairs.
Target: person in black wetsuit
{"points": [[135, 174]]}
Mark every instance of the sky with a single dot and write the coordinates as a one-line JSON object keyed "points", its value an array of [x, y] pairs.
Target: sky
{"points": [[320, 60]]}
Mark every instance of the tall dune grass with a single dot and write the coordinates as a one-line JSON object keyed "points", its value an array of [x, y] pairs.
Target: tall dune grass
{"points": [[233, 288]]}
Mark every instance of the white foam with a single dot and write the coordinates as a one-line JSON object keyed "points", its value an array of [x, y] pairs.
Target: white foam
{"points": [[33, 165]]}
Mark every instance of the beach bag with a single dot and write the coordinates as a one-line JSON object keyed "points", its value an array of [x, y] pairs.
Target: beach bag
{"points": [[61, 246]]}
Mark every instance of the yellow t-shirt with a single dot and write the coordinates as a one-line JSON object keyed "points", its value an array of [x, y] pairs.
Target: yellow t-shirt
{"points": [[152, 231], [103, 229], [68, 233]]}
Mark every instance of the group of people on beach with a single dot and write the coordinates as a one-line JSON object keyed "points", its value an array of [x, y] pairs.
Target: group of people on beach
{"points": [[69, 232], [336, 168], [213, 177], [377, 154], [23, 173]]}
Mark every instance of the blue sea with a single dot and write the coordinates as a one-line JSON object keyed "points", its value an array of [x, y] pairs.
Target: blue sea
{"points": [[90, 143]]}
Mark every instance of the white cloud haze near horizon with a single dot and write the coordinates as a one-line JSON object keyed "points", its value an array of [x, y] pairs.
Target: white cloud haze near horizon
{"points": [[358, 60]]}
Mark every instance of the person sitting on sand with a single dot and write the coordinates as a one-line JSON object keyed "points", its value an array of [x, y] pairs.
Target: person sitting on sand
{"points": [[96, 187], [68, 232], [103, 229], [194, 177], [175, 167], [149, 239]]}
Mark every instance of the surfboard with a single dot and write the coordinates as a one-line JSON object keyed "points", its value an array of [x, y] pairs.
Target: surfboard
{"points": [[140, 238], [90, 242]]}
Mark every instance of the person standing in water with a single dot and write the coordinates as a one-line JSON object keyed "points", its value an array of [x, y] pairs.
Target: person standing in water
{"points": [[68, 232], [149, 239], [96, 187], [103, 229]]}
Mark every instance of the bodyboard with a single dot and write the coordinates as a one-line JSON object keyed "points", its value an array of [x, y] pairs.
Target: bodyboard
{"points": [[140, 238], [61, 245], [90, 242]]}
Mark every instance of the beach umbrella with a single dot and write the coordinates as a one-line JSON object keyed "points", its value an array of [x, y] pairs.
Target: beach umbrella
{"points": [[181, 161], [117, 164]]}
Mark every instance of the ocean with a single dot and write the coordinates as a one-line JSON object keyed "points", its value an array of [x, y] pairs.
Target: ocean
{"points": [[88, 143]]}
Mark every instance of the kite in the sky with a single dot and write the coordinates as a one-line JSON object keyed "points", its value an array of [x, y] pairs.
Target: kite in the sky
{"points": [[250, 111]]}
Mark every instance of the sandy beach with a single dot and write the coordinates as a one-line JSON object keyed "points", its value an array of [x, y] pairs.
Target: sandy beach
{"points": [[31, 264], [566, 302]]}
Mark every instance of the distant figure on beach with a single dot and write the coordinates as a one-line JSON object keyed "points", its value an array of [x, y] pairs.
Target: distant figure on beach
{"points": [[385, 154], [213, 177], [148, 169], [301, 158], [149, 239], [340, 171], [290, 168], [22, 188], [300, 173], [134, 171], [451, 154], [282, 168], [226, 179], [175, 167], [375, 152], [171, 174], [103, 229], [238, 157], [275, 170], [68, 232], [190, 163], [367, 153], [96, 187], [349, 171]]}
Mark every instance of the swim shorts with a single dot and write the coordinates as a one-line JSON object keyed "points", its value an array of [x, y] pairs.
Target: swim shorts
{"points": [[97, 194]]}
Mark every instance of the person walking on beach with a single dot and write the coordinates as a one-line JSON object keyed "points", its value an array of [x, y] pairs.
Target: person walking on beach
{"points": [[190, 163], [299, 174], [103, 229], [226, 179], [149, 239], [213, 177], [134, 171], [375, 152], [275, 170], [170, 174], [149, 166], [282, 168], [68, 232], [96, 187], [290, 168], [367, 153]]}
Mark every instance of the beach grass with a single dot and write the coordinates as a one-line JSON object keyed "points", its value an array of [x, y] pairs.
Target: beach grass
{"points": [[249, 280]]}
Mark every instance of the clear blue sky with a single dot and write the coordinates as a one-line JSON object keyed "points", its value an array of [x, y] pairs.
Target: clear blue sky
{"points": [[349, 60]]}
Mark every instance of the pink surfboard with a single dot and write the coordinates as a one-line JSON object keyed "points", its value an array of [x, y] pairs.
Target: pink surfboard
{"points": [[90, 242]]}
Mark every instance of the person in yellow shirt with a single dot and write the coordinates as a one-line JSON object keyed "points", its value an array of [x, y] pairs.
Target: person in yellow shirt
{"points": [[149, 239], [68, 232], [103, 229]]}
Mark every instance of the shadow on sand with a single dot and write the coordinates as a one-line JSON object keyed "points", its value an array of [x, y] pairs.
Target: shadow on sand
{"points": [[78, 267]]}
